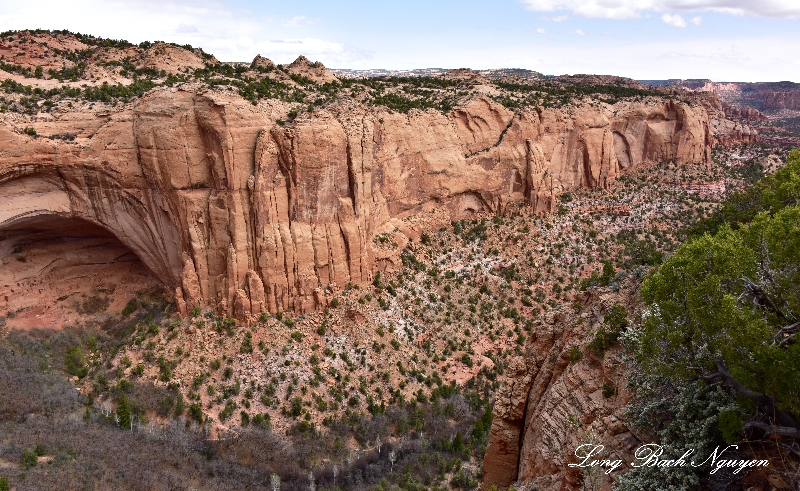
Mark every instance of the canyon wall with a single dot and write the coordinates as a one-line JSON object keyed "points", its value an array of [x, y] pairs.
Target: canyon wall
{"points": [[782, 100], [766, 96], [558, 396], [234, 209]]}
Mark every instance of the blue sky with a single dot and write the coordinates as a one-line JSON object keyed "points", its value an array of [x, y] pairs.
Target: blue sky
{"points": [[724, 40]]}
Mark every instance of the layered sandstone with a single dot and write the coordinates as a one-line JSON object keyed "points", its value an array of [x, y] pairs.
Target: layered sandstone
{"points": [[746, 113], [782, 100], [729, 132], [550, 402], [233, 209], [766, 96]]}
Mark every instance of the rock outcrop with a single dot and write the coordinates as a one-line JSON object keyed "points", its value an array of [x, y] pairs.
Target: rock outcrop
{"points": [[169, 58], [555, 397], [782, 100], [261, 62], [316, 71], [232, 210], [746, 113], [729, 132], [465, 74]]}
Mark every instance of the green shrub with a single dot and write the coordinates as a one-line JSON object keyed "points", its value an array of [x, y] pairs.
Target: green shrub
{"points": [[226, 413], [180, 406], [124, 411], [130, 307], [464, 480], [617, 318], [602, 341], [196, 412], [4, 486], [262, 421], [125, 385], [730, 425], [575, 354], [75, 362], [247, 344], [29, 458]]}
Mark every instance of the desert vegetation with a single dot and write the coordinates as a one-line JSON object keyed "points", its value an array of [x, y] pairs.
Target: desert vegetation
{"points": [[393, 385]]}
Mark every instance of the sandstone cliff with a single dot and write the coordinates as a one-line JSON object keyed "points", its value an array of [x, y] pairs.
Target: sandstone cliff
{"points": [[746, 113], [556, 397], [729, 132], [234, 209], [782, 100]]}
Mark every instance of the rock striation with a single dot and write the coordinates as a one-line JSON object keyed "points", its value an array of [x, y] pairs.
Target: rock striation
{"points": [[746, 113], [551, 401], [729, 132], [782, 100], [234, 209]]}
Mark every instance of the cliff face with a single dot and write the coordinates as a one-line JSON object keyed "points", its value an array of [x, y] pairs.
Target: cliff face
{"points": [[550, 402], [766, 96], [782, 100], [233, 210], [727, 132]]}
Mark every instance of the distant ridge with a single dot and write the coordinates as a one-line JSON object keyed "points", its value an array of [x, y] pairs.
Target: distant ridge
{"points": [[433, 72]]}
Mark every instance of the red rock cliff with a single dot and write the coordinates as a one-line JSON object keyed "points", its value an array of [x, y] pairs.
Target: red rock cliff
{"points": [[235, 211]]}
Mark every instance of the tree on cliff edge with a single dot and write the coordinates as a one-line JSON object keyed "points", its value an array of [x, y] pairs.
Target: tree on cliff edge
{"points": [[726, 308], [717, 353]]}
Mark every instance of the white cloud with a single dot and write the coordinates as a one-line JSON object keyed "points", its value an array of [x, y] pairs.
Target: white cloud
{"points": [[674, 20], [541, 31], [628, 9], [580, 32], [697, 20], [295, 21], [230, 33], [186, 29]]}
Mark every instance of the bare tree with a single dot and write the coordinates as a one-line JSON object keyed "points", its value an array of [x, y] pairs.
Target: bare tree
{"points": [[378, 443], [276, 482], [335, 473], [392, 458], [311, 485]]}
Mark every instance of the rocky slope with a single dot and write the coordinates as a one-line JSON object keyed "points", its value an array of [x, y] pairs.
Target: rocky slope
{"points": [[234, 209]]}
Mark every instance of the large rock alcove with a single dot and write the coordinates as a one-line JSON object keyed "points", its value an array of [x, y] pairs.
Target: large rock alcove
{"points": [[59, 260]]}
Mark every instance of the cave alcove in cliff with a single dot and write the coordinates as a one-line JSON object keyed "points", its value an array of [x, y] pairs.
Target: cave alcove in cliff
{"points": [[55, 269]]}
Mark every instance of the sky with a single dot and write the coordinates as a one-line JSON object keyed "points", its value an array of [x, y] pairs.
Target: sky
{"points": [[722, 40]]}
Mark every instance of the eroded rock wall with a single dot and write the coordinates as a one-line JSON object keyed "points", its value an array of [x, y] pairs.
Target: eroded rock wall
{"points": [[238, 212], [551, 401]]}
